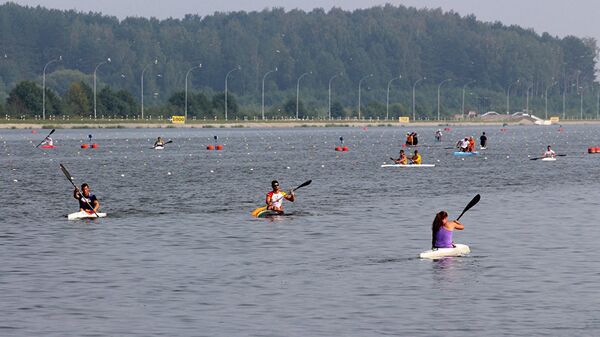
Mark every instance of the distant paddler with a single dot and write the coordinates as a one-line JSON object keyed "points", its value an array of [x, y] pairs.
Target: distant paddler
{"points": [[416, 158], [402, 159], [159, 142], [47, 142], [438, 135], [483, 140], [549, 153], [87, 201], [275, 198]]}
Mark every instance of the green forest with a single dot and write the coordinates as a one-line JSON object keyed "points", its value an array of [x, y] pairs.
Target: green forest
{"points": [[374, 49]]}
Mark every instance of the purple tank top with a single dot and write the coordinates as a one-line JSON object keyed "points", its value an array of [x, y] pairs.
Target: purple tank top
{"points": [[443, 238]]}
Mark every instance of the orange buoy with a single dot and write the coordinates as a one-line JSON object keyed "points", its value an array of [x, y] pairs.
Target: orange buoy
{"points": [[210, 147], [94, 146], [219, 147], [84, 146], [338, 148], [345, 148], [447, 129], [33, 131]]}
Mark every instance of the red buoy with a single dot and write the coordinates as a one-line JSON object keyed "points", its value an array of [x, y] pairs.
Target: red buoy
{"points": [[219, 147], [210, 147], [338, 148], [345, 148], [94, 146], [447, 129], [84, 146]]}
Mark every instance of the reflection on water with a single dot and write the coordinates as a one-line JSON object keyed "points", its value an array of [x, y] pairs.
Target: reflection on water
{"points": [[180, 255]]}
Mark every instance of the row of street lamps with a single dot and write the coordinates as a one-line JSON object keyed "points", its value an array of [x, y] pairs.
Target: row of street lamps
{"points": [[108, 60]]}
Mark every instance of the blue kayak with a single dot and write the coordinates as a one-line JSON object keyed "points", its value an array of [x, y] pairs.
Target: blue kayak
{"points": [[465, 154]]}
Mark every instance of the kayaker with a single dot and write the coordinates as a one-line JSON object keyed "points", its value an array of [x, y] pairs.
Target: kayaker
{"points": [[87, 199], [159, 142], [483, 140], [549, 153], [463, 144], [402, 159], [471, 146], [441, 231], [409, 139], [47, 142], [276, 196], [415, 139], [416, 158], [438, 135]]}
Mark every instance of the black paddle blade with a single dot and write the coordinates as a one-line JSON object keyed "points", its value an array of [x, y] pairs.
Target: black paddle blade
{"points": [[473, 202], [67, 174], [306, 183], [51, 132], [536, 158]]}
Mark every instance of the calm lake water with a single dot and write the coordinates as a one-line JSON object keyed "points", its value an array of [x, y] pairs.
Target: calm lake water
{"points": [[180, 255]]}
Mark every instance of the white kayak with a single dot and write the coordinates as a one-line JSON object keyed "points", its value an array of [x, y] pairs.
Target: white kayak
{"points": [[549, 159], [84, 215], [458, 250], [409, 165], [159, 147]]}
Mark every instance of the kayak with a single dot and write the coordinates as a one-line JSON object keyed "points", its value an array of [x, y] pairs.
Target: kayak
{"points": [[47, 146], [269, 213], [159, 147], [548, 159], [408, 165], [84, 215], [458, 250], [465, 154], [483, 147]]}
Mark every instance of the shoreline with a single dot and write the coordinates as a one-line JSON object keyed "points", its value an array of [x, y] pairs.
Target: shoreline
{"points": [[266, 124]]}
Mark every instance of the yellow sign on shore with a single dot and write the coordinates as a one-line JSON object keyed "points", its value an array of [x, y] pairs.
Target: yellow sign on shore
{"points": [[404, 120], [178, 120], [555, 119]]}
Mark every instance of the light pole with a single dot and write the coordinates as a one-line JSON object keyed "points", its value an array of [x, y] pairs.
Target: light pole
{"points": [[546, 97], [44, 85], [581, 102], [331, 79], [298, 91], [359, 90], [463, 96], [186, 88], [263, 91], [413, 101], [95, 70], [598, 105], [438, 96], [387, 102], [226, 78], [508, 96], [142, 84], [527, 99]]}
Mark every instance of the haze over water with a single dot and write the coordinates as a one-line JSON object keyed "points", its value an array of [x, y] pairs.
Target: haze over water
{"points": [[180, 255]]}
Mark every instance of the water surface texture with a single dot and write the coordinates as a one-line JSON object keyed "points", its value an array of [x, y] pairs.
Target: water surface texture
{"points": [[180, 255]]}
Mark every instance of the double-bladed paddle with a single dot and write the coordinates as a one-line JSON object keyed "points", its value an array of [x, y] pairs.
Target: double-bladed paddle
{"points": [[472, 203], [263, 208], [558, 155], [51, 132], [68, 175]]}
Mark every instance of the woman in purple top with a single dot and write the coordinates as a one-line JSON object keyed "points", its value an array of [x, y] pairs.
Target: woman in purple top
{"points": [[442, 231]]}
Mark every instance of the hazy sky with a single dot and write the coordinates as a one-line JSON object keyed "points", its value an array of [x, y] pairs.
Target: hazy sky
{"points": [[558, 17]]}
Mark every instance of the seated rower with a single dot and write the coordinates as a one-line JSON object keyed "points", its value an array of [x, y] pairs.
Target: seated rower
{"points": [[48, 141], [416, 158], [87, 201], [159, 142], [549, 153], [275, 197], [441, 231], [402, 159], [471, 146]]}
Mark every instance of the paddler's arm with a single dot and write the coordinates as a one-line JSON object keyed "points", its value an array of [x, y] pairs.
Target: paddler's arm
{"points": [[457, 225], [96, 205]]}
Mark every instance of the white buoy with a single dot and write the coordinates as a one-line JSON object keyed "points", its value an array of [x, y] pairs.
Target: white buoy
{"points": [[15, 180], [211, 171], [169, 173], [122, 175], [288, 167]]}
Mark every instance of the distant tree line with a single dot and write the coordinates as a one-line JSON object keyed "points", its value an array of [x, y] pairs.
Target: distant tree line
{"points": [[386, 41]]}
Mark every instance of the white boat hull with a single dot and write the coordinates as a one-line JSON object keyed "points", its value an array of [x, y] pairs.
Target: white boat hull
{"points": [[438, 253], [84, 215], [413, 165], [159, 147], [549, 159]]}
